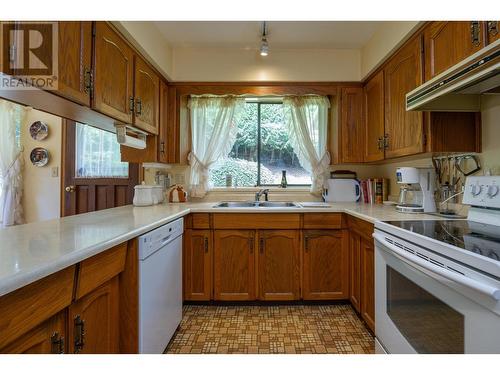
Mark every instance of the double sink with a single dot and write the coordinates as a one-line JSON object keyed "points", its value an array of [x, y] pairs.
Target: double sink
{"points": [[257, 204]]}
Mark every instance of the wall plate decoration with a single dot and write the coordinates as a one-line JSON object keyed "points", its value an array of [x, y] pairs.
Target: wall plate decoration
{"points": [[39, 156], [39, 130]]}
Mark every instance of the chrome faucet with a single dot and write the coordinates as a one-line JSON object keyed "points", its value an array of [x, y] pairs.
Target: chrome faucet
{"points": [[264, 192]]}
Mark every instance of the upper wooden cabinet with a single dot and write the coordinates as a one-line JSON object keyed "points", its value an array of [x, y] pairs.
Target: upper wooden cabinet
{"points": [[75, 53], [351, 125], [404, 130], [448, 42], [113, 74], [234, 265], [279, 265], [197, 261], [147, 97], [326, 265], [493, 31], [374, 118]]}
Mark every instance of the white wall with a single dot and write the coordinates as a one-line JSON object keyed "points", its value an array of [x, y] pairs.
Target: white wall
{"points": [[225, 64], [41, 196], [145, 36], [385, 40]]}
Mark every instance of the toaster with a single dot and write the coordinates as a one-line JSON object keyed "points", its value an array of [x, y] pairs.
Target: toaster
{"points": [[342, 190]]}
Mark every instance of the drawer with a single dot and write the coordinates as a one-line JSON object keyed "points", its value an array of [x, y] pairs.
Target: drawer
{"points": [[256, 221], [25, 308], [97, 270], [361, 227], [324, 221]]}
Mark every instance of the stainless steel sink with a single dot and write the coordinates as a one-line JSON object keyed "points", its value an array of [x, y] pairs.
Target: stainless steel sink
{"points": [[278, 204], [256, 205], [235, 204]]}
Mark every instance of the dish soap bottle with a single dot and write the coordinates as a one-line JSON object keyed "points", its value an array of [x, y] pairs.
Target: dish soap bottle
{"points": [[284, 184]]}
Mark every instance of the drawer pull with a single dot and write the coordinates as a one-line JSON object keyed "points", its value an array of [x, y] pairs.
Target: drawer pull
{"points": [[79, 341], [57, 343]]}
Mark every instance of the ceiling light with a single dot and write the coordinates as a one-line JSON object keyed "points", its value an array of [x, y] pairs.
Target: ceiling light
{"points": [[264, 46]]}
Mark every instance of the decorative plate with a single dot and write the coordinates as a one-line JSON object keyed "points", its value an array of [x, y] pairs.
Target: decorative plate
{"points": [[39, 156], [39, 130]]}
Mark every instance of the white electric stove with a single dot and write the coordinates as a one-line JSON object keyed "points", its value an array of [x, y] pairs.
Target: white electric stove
{"points": [[437, 282]]}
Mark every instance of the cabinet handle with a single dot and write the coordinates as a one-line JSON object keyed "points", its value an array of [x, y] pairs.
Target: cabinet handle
{"points": [[131, 104], [206, 244], [386, 141], [79, 341], [88, 81], [162, 147], [475, 33], [250, 244], [380, 143], [138, 106], [261, 245], [493, 27], [57, 343], [306, 243]]}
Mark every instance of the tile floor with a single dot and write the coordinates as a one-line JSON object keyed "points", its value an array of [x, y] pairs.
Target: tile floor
{"points": [[292, 329]]}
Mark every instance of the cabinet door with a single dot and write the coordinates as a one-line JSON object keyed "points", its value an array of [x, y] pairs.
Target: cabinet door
{"points": [[47, 338], [74, 62], [326, 265], [279, 265], [113, 74], [374, 118], [93, 321], [147, 97], [493, 30], [351, 125], [448, 42], [355, 271], [234, 265], [197, 262], [368, 283], [404, 129]]}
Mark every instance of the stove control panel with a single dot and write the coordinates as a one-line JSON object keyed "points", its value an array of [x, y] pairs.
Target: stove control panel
{"points": [[482, 191]]}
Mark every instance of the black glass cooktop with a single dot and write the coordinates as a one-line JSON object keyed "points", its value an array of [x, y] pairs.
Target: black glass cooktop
{"points": [[479, 238]]}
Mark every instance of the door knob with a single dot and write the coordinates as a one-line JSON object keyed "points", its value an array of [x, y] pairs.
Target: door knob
{"points": [[70, 188]]}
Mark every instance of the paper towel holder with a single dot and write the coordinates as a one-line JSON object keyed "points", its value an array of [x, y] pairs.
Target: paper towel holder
{"points": [[138, 141]]}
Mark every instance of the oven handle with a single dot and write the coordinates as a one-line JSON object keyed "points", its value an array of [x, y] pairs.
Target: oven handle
{"points": [[490, 291]]}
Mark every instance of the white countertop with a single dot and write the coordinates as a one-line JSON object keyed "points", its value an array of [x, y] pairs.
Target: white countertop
{"points": [[32, 251]]}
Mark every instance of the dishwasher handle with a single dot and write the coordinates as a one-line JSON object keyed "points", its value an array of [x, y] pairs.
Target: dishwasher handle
{"points": [[488, 290]]}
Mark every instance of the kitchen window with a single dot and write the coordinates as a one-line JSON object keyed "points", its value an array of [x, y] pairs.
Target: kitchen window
{"points": [[98, 154], [262, 149]]}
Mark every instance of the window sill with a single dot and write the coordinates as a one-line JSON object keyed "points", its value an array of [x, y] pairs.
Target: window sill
{"points": [[291, 189]]}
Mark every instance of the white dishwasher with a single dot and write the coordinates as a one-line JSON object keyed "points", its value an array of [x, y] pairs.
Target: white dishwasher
{"points": [[160, 286]]}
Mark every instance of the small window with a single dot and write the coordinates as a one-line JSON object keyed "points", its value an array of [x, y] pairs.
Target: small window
{"points": [[98, 154], [262, 150]]}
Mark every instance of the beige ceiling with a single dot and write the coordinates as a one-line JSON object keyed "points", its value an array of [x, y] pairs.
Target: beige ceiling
{"points": [[282, 34]]}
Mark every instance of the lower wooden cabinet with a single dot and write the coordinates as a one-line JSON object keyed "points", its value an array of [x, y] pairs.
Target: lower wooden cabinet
{"points": [[94, 321], [355, 271], [362, 270], [234, 265], [47, 338], [278, 270], [326, 265], [368, 282], [197, 262]]}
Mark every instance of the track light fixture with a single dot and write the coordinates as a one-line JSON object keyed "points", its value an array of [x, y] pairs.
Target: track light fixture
{"points": [[264, 46]]}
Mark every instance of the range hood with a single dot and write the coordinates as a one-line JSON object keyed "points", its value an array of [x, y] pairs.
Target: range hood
{"points": [[459, 88]]}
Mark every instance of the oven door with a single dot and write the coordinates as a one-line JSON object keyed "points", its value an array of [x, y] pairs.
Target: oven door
{"points": [[418, 311]]}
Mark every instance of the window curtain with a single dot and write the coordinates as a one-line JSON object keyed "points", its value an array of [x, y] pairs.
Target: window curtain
{"points": [[11, 163], [213, 133], [307, 121]]}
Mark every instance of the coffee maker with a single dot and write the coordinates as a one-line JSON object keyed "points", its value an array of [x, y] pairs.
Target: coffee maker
{"points": [[417, 189]]}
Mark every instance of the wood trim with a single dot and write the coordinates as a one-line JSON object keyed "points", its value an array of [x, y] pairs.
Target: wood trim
{"points": [[361, 227], [100, 268], [129, 301], [324, 221], [256, 221]]}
